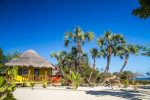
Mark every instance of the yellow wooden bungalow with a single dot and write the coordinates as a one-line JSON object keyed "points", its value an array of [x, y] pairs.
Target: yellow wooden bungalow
{"points": [[31, 68]]}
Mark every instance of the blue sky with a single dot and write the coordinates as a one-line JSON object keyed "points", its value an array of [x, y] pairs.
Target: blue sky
{"points": [[40, 25]]}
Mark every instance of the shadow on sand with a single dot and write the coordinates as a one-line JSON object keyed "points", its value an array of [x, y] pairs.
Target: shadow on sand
{"points": [[145, 87], [130, 95]]}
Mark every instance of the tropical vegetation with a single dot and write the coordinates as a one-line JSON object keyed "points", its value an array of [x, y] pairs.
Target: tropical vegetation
{"points": [[144, 10], [75, 61]]}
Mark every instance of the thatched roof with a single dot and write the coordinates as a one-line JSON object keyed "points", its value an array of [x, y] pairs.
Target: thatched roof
{"points": [[30, 58], [56, 72]]}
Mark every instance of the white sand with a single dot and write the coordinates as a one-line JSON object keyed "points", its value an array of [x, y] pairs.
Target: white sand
{"points": [[83, 93]]}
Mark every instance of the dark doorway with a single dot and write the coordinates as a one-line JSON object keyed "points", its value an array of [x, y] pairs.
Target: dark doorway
{"points": [[36, 72]]}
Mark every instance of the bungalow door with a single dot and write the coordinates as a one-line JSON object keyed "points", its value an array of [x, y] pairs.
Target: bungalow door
{"points": [[36, 74]]}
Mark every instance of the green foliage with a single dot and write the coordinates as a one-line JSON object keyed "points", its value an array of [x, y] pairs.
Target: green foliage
{"points": [[12, 71], [127, 78], [145, 50], [127, 75], [1, 56], [2, 81], [144, 10], [95, 75], [75, 78], [6, 89], [11, 55], [78, 36], [3, 69], [94, 53], [126, 83], [32, 85], [109, 45], [44, 83], [125, 51]]}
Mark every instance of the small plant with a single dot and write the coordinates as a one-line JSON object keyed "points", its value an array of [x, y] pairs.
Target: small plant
{"points": [[75, 78], [32, 85], [135, 86], [44, 83], [126, 83]]}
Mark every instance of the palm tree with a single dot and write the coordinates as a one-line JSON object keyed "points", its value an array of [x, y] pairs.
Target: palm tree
{"points": [[109, 45], [78, 38], [74, 58], [144, 10], [61, 58], [126, 51], [95, 54]]}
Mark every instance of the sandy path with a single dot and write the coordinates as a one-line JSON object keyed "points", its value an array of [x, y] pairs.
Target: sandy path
{"points": [[55, 93]]}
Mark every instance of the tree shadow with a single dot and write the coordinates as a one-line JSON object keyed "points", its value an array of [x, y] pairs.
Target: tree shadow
{"points": [[145, 87], [130, 95]]}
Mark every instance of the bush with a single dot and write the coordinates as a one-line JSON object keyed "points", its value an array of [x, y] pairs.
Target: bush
{"points": [[126, 83], [44, 83], [32, 85], [75, 78], [6, 89]]}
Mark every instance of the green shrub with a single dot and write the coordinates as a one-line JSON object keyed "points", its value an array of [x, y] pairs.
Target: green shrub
{"points": [[126, 83], [75, 78], [44, 85], [6, 89], [32, 85]]}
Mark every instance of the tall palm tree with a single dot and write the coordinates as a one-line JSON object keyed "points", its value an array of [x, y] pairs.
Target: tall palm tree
{"points": [[109, 45], [144, 10], [126, 52], [74, 60], [78, 38], [95, 54]]}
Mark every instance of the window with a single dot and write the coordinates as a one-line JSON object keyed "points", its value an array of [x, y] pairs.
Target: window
{"points": [[19, 71], [22, 71], [36, 72]]}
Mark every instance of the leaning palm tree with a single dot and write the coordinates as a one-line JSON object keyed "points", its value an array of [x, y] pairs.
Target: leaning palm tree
{"points": [[109, 44], [95, 54], [144, 10], [126, 52], [78, 38]]}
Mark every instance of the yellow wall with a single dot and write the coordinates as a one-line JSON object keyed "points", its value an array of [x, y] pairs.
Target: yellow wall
{"points": [[30, 76]]}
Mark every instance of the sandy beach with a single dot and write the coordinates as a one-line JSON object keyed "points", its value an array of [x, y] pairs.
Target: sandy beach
{"points": [[82, 93]]}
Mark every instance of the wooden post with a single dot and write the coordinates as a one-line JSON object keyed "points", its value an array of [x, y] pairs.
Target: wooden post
{"points": [[46, 74], [29, 71]]}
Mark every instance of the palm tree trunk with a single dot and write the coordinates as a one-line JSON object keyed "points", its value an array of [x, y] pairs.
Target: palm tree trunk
{"points": [[62, 70], [92, 70], [125, 63], [108, 63], [80, 61]]}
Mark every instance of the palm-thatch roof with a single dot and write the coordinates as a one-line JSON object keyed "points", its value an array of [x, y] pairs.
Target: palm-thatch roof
{"points": [[30, 58], [56, 72]]}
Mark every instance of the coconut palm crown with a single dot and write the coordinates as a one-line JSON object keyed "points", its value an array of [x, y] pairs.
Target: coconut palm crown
{"points": [[109, 45], [126, 51]]}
